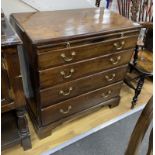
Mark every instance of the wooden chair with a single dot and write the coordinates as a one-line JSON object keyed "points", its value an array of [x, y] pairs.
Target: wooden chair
{"points": [[140, 11], [140, 130]]}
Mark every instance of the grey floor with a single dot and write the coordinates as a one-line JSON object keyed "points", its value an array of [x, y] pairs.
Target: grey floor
{"points": [[111, 140]]}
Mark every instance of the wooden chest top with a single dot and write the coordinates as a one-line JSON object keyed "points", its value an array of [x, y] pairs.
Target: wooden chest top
{"points": [[67, 24]]}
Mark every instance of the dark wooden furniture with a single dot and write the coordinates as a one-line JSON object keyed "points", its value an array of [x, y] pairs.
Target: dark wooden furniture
{"points": [[14, 128], [76, 62], [140, 130], [140, 11]]}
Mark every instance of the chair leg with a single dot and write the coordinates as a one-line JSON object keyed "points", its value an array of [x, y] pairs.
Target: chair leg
{"points": [[23, 129], [138, 90], [135, 56]]}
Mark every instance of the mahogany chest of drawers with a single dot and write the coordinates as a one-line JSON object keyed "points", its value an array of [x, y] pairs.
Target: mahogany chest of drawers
{"points": [[76, 61], [14, 127]]}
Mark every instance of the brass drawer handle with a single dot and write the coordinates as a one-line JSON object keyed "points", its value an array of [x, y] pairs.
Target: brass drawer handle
{"points": [[107, 94], [67, 111], [118, 45], [68, 44], [67, 59], [66, 93], [110, 78], [115, 61], [67, 76]]}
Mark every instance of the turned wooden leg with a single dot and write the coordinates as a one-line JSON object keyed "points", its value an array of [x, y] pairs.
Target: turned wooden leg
{"points": [[138, 90], [135, 58], [23, 129]]}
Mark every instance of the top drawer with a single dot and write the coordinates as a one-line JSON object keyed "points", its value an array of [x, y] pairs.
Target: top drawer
{"points": [[54, 57]]}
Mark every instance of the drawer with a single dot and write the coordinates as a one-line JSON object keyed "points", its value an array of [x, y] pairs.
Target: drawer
{"points": [[74, 88], [54, 58], [49, 46], [62, 74], [79, 104]]}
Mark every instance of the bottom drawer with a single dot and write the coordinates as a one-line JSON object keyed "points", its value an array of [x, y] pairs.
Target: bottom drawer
{"points": [[79, 103]]}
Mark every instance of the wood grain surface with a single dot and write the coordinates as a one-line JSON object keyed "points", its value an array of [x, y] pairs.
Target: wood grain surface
{"points": [[81, 125], [53, 76], [57, 30], [40, 26], [81, 86]]}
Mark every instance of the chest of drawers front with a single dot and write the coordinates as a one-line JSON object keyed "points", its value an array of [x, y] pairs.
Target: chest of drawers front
{"points": [[83, 76], [76, 75]]}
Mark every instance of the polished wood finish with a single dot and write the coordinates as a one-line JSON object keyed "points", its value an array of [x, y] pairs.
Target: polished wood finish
{"points": [[71, 106], [54, 57], [69, 130], [39, 26], [95, 44], [140, 130], [51, 77], [84, 85], [67, 109], [145, 61], [14, 126], [15, 80], [7, 106]]}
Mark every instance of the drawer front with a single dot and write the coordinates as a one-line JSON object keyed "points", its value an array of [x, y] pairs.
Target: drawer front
{"points": [[78, 104], [70, 72], [71, 89], [74, 54]]}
